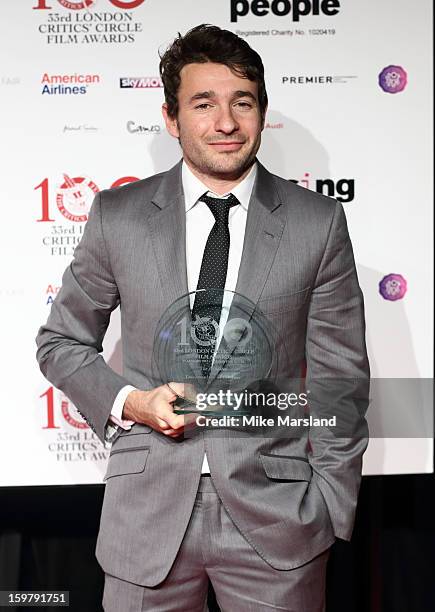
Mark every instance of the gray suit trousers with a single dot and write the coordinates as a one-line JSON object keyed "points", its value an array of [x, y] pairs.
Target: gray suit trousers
{"points": [[214, 549]]}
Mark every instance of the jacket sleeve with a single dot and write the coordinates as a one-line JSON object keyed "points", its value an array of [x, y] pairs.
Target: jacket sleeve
{"points": [[70, 343], [338, 377]]}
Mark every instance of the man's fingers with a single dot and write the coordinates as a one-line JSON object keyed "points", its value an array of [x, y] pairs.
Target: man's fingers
{"points": [[176, 388], [188, 421], [162, 423], [169, 419], [176, 421], [172, 433]]}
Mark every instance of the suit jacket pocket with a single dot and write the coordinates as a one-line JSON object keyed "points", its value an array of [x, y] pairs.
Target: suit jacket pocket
{"points": [[282, 303], [129, 460], [285, 467]]}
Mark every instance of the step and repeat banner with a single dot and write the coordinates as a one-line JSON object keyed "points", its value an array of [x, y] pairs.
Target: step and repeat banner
{"points": [[350, 98]]}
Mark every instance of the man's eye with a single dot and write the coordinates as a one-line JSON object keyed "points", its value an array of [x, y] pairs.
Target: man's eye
{"points": [[244, 104], [202, 106]]}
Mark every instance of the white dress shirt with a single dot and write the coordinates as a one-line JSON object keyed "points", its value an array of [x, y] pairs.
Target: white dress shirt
{"points": [[199, 222]]}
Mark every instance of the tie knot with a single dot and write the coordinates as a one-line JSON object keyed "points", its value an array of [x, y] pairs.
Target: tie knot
{"points": [[220, 207]]}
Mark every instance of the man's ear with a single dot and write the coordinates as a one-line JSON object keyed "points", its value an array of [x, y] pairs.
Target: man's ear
{"points": [[171, 122]]}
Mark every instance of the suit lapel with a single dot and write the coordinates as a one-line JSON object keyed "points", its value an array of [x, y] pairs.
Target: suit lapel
{"points": [[264, 228], [167, 225]]}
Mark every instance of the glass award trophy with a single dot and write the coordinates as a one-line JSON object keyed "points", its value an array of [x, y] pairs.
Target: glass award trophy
{"points": [[227, 346]]}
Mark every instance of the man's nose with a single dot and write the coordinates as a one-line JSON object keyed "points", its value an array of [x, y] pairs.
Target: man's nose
{"points": [[225, 121]]}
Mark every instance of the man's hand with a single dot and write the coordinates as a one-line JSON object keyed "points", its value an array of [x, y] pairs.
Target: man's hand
{"points": [[155, 408]]}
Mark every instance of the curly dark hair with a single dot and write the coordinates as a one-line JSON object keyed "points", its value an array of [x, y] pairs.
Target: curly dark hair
{"points": [[209, 43]]}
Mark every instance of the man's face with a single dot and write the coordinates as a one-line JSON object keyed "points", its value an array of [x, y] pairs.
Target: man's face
{"points": [[219, 123]]}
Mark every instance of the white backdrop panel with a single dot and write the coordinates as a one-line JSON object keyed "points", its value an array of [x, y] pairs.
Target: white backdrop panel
{"points": [[374, 146]]}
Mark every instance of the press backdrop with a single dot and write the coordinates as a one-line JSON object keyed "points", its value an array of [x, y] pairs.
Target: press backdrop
{"points": [[350, 91]]}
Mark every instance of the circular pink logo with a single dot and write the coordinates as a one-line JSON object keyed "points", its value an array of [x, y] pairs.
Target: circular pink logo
{"points": [[393, 287], [393, 79]]}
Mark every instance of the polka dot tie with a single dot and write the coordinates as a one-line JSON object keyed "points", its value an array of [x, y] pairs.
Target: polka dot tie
{"points": [[213, 274]]}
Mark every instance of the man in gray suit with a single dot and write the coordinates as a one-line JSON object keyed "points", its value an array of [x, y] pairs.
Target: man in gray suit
{"points": [[254, 514]]}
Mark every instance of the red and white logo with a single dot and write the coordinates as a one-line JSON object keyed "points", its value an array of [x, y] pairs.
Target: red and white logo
{"points": [[70, 414], [76, 5], [75, 196], [126, 4]]}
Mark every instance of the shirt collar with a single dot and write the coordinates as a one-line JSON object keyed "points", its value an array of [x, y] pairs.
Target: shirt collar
{"points": [[193, 188]]}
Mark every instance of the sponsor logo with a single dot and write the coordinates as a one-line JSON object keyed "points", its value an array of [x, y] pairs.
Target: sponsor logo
{"points": [[148, 82], [79, 128], [70, 414], [77, 5], [69, 436], [393, 79], [273, 126], [322, 79], [10, 80], [61, 226], [137, 128], [342, 190], [393, 287], [67, 84], [75, 196], [282, 8], [81, 25], [50, 294], [126, 4]]}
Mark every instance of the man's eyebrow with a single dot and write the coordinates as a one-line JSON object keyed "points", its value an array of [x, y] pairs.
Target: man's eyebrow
{"points": [[240, 93], [202, 94], [244, 94]]}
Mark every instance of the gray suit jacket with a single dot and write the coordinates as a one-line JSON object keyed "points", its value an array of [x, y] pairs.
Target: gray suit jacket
{"points": [[290, 497]]}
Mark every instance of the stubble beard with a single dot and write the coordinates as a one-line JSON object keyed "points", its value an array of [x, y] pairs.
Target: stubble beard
{"points": [[229, 165]]}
